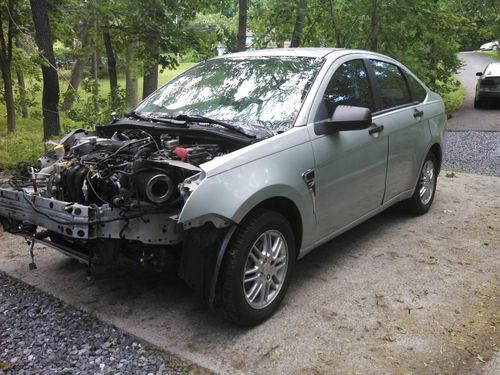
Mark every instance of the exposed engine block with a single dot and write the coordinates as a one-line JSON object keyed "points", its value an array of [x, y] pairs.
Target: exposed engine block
{"points": [[127, 170]]}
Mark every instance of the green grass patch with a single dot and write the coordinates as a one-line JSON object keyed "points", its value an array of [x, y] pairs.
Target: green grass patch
{"points": [[23, 145], [163, 78], [494, 54], [454, 100], [26, 144]]}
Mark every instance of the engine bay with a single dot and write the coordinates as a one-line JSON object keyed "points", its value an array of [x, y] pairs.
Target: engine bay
{"points": [[130, 169]]}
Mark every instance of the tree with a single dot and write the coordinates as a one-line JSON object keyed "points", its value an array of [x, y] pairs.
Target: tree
{"points": [[242, 25], [6, 12], [374, 27], [50, 96], [77, 70], [131, 82], [299, 24], [113, 78]]}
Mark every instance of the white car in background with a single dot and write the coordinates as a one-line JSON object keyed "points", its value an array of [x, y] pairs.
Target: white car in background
{"points": [[494, 45]]}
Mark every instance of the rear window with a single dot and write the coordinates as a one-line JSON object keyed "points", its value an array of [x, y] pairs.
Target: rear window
{"points": [[417, 91], [492, 70]]}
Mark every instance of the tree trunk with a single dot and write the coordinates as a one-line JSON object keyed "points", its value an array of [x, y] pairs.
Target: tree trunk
{"points": [[74, 83], [95, 75], [95, 69], [242, 25], [50, 98], [131, 82], [113, 80], [150, 82], [9, 97], [22, 93], [5, 65], [374, 27], [76, 74], [338, 42], [299, 24], [22, 87]]}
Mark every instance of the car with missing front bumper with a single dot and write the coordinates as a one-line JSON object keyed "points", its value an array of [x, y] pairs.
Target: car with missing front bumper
{"points": [[237, 168]]}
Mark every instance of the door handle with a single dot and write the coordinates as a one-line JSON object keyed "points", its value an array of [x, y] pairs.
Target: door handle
{"points": [[418, 113], [375, 129]]}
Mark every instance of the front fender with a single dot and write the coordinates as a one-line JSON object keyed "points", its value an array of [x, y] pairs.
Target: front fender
{"points": [[232, 194]]}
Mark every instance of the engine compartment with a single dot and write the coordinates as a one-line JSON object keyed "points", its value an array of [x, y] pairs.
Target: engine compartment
{"points": [[130, 169]]}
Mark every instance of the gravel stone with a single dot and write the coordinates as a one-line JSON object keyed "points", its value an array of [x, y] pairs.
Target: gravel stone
{"points": [[39, 334], [472, 152]]}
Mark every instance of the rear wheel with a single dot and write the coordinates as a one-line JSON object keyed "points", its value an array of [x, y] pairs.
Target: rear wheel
{"points": [[423, 196], [257, 268], [477, 103]]}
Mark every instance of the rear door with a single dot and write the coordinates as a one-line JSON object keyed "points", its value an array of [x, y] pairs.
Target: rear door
{"points": [[401, 111]]}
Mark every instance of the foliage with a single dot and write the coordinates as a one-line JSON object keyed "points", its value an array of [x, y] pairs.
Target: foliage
{"points": [[26, 144], [484, 16], [85, 112], [454, 99], [423, 34]]}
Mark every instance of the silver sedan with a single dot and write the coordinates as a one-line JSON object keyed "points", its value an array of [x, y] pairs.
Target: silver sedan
{"points": [[237, 168]]}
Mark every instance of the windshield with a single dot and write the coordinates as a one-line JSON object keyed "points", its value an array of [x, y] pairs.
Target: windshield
{"points": [[262, 91]]}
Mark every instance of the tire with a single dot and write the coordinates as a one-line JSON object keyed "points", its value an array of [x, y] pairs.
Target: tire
{"points": [[477, 104], [425, 190], [249, 272]]}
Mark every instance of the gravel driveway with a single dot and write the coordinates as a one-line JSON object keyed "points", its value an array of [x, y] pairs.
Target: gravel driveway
{"points": [[41, 334], [398, 294]]}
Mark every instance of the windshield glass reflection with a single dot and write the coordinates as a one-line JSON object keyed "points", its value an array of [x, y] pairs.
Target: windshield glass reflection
{"points": [[263, 91]]}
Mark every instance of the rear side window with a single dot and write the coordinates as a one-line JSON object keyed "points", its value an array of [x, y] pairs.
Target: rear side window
{"points": [[418, 93], [349, 85], [393, 89]]}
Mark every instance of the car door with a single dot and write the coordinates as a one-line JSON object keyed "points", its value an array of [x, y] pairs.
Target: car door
{"points": [[350, 166], [401, 112]]}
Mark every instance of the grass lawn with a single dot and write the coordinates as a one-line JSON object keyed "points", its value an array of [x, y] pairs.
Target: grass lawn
{"points": [[27, 145], [493, 54]]}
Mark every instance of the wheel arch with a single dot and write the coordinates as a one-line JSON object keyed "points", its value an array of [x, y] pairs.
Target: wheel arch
{"points": [[284, 206], [438, 153], [289, 210]]}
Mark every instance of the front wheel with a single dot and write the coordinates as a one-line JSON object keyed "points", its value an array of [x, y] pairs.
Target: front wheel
{"points": [[257, 268], [423, 196]]}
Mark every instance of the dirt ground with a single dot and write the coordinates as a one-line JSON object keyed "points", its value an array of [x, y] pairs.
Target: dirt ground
{"points": [[398, 294]]}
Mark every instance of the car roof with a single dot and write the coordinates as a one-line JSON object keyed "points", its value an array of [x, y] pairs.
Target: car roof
{"points": [[493, 69], [300, 52], [292, 52]]}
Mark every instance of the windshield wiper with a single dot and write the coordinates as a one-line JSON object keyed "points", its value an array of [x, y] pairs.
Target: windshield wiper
{"points": [[164, 120], [208, 120]]}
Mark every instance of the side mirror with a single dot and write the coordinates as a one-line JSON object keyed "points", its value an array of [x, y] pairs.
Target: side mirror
{"points": [[479, 74], [345, 118]]}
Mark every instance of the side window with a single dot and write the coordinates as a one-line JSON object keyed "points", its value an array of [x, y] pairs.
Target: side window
{"points": [[349, 85], [418, 93], [392, 84]]}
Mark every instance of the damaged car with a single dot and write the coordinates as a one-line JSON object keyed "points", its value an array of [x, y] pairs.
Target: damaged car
{"points": [[235, 169]]}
